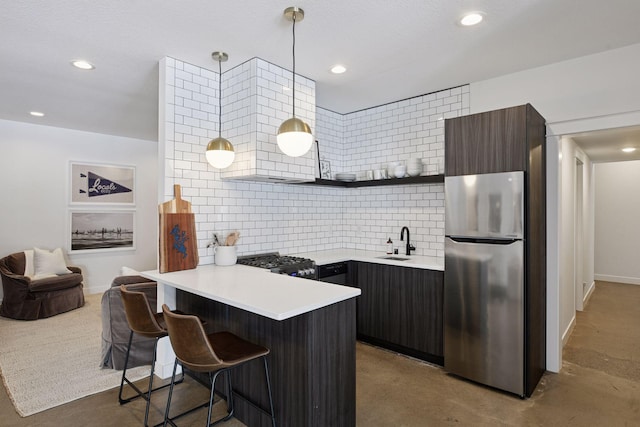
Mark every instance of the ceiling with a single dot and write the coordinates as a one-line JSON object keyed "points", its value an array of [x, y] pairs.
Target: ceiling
{"points": [[392, 50], [607, 145]]}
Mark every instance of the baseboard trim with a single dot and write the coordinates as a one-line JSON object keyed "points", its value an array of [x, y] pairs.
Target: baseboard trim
{"points": [[587, 295], [568, 331], [617, 279]]}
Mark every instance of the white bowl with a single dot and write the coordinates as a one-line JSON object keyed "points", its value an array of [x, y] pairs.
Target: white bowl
{"points": [[346, 176], [400, 171], [414, 171], [391, 167]]}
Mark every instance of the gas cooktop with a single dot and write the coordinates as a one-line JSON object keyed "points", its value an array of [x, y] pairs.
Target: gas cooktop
{"points": [[282, 264]]}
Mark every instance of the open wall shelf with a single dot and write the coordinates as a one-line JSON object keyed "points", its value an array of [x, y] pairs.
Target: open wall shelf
{"points": [[429, 179]]}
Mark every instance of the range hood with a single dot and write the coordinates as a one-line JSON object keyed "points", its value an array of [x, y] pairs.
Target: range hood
{"points": [[256, 100]]}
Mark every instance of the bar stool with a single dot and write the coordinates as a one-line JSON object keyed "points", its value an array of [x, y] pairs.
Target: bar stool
{"points": [[145, 322], [214, 353]]}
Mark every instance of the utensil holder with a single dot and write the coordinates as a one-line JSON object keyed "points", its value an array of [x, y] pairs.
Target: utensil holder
{"points": [[225, 255]]}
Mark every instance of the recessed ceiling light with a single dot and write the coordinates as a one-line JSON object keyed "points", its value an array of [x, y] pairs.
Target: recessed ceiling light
{"points": [[338, 69], [36, 113], [471, 19], [82, 64], [629, 150]]}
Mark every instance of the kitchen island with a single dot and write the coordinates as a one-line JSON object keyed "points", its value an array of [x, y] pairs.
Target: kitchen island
{"points": [[309, 327]]}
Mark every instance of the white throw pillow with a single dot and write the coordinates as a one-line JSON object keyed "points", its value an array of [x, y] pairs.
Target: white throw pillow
{"points": [[28, 263], [47, 263], [126, 271]]}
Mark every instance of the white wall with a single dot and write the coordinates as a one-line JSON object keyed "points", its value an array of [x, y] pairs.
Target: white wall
{"points": [[595, 85], [35, 200], [569, 232], [617, 214]]}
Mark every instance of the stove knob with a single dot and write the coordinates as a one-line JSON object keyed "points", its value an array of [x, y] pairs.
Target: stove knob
{"points": [[312, 271], [300, 273]]}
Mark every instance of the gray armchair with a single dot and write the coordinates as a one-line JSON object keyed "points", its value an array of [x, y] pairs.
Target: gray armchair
{"points": [[115, 328]]}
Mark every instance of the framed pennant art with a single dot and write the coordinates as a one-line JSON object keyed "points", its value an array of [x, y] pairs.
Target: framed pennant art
{"points": [[93, 183]]}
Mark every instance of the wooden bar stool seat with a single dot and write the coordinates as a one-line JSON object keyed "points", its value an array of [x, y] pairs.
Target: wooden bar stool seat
{"points": [[214, 354]]}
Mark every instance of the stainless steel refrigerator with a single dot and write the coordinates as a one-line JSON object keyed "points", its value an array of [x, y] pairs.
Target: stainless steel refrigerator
{"points": [[484, 280]]}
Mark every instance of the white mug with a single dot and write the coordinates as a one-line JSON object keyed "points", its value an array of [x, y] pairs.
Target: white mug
{"points": [[226, 255]]}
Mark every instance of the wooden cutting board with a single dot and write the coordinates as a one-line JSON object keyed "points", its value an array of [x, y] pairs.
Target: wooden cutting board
{"points": [[177, 205], [178, 241]]}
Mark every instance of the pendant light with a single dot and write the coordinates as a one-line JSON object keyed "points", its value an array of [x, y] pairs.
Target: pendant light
{"points": [[294, 135], [220, 152]]}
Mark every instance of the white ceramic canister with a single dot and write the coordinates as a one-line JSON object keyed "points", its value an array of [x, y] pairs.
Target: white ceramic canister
{"points": [[414, 166], [226, 255]]}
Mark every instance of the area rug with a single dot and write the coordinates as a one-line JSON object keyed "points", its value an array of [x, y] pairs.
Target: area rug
{"points": [[45, 363]]}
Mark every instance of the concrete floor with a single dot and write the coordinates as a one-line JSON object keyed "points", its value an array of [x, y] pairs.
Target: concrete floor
{"points": [[599, 385]]}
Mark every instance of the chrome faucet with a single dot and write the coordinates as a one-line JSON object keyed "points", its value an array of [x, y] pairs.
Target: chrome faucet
{"points": [[410, 247]]}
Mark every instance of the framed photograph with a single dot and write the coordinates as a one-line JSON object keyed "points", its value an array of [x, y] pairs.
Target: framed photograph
{"points": [[102, 184], [325, 169], [93, 231]]}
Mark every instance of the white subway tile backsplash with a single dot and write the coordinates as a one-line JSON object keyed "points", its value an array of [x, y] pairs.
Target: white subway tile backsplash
{"points": [[292, 218], [182, 93]]}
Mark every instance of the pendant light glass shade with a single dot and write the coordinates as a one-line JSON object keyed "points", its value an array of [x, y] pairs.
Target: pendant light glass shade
{"points": [[220, 152], [294, 135]]}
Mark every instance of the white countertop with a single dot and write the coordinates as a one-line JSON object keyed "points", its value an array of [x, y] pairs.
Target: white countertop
{"points": [[256, 290], [338, 255]]}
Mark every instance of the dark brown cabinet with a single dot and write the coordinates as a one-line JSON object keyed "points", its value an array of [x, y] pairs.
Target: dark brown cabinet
{"points": [[495, 141], [401, 309]]}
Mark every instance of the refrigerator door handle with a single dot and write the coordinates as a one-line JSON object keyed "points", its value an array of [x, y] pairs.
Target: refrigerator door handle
{"points": [[500, 241]]}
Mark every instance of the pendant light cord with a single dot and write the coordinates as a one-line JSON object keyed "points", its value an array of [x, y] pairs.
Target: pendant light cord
{"points": [[220, 98], [293, 89]]}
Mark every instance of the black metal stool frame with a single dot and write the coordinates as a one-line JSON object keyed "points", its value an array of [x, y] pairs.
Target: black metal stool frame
{"points": [[158, 333], [139, 393], [230, 408]]}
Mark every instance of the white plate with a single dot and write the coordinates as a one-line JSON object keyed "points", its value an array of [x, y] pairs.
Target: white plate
{"points": [[346, 176]]}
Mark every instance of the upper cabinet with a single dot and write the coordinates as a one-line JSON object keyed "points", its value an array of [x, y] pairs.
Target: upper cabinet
{"points": [[496, 141], [256, 99]]}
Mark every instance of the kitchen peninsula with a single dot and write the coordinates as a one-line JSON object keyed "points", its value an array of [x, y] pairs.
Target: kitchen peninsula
{"points": [[309, 326]]}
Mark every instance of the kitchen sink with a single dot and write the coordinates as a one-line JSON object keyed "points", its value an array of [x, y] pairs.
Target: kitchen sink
{"points": [[393, 258]]}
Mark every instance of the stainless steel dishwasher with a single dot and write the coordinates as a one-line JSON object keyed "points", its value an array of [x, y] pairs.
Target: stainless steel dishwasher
{"points": [[333, 273]]}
